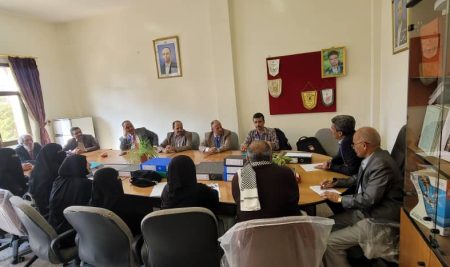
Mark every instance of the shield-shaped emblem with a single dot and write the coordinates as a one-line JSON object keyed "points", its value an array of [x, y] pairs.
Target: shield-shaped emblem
{"points": [[309, 99], [274, 87], [274, 66], [327, 97]]}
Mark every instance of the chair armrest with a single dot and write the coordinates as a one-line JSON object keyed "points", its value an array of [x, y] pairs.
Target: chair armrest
{"points": [[56, 243]]}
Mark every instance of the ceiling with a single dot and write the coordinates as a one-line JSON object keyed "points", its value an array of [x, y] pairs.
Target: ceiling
{"points": [[62, 10]]}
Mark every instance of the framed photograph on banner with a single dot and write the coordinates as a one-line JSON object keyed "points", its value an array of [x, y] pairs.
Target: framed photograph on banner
{"points": [[167, 55], [399, 26], [333, 62]]}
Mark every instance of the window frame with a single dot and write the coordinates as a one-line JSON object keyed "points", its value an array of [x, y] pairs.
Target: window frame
{"points": [[26, 119]]}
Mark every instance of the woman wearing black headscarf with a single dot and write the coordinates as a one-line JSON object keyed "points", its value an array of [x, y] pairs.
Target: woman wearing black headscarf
{"points": [[44, 173], [11, 173], [72, 187], [107, 193], [182, 189]]}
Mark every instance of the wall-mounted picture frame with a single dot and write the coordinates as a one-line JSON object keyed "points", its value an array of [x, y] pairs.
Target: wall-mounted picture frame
{"points": [[399, 26], [167, 55], [333, 62]]}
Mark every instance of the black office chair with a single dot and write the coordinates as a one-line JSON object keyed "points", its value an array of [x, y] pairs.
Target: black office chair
{"points": [[103, 239], [180, 237], [44, 241], [398, 152]]}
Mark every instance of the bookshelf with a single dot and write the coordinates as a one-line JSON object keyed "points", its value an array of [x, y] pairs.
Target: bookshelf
{"points": [[427, 170]]}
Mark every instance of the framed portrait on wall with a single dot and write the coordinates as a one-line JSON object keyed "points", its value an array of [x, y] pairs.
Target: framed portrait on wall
{"points": [[167, 55], [333, 62], [399, 26]]}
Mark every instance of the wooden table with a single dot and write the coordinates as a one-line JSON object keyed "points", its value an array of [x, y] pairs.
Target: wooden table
{"points": [[308, 198]]}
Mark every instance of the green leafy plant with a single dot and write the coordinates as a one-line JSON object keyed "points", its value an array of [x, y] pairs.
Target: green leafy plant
{"points": [[280, 160], [143, 152]]}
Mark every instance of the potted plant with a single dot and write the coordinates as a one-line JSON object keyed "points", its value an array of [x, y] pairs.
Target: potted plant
{"points": [[279, 159], [142, 152]]}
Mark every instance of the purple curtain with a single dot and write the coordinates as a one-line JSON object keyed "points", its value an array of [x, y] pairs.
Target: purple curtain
{"points": [[27, 75]]}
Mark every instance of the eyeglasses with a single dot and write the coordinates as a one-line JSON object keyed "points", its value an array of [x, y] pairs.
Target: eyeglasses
{"points": [[353, 145]]}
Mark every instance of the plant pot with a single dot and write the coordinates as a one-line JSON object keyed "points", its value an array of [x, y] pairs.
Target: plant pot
{"points": [[144, 158]]}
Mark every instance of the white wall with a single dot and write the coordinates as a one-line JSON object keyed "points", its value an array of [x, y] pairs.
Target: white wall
{"points": [[115, 77], [394, 82], [262, 28], [29, 37]]}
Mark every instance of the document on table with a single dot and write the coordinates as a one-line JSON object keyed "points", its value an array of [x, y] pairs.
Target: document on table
{"points": [[215, 186], [157, 189], [320, 191], [310, 167]]}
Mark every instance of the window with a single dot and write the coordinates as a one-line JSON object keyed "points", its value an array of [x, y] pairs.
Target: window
{"points": [[13, 116]]}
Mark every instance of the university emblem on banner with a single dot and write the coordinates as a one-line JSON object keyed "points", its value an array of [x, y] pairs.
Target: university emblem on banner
{"points": [[309, 99], [274, 66], [327, 97], [274, 87]]}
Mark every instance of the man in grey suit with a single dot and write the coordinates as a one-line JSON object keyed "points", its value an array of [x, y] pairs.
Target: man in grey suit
{"points": [[132, 137], [176, 141], [80, 143], [218, 140], [378, 196]]}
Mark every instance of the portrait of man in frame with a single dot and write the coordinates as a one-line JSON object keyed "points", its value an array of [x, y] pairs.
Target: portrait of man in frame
{"points": [[399, 26], [333, 62], [167, 55]]}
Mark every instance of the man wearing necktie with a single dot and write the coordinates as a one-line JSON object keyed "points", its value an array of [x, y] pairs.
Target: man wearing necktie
{"points": [[217, 140], [378, 196]]}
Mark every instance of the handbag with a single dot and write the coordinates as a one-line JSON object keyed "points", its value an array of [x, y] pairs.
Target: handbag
{"points": [[144, 178], [310, 144]]}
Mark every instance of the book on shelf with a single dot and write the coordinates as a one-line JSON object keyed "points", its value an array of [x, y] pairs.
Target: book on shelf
{"points": [[433, 194], [431, 128]]}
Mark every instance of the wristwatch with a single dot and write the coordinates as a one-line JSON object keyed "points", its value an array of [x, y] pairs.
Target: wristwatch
{"points": [[339, 199]]}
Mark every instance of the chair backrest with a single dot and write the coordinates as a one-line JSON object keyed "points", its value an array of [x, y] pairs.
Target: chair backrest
{"points": [[282, 140], [40, 232], [327, 140], [195, 140], [254, 243], [103, 238], [234, 141], [399, 150], [181, 237], [9, 221]]}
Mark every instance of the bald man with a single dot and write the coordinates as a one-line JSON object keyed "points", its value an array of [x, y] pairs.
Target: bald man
{"points": [[262, 189], [378, 195], [218, 140]]}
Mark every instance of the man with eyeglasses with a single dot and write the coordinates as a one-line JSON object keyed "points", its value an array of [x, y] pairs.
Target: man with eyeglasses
{"points": [[378, 196]]}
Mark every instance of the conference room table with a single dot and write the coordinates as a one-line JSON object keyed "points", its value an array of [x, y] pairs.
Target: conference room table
{"points": [[308, 198]]}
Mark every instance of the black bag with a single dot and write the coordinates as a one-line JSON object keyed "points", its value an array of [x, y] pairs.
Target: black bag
{"points": [[282, 140], [145, 178], [310, 144]]}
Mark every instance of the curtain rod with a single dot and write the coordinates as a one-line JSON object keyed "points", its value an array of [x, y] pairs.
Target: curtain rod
{"points": [[10, 55]]}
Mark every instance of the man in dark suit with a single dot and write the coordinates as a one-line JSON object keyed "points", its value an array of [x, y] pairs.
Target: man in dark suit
{"points": [[132, 137], [80, 143], [346, 161], [378, 196], [168, 67], [27, 150], [218, 140]]}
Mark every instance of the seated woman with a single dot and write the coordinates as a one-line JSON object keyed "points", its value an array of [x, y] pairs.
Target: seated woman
{"points": [[182, 189], [107, 193], [71, 188], [44, 173], [11, 173]]}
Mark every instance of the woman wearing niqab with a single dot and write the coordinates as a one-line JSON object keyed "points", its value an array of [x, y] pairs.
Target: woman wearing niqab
{"points": [[107, 193], [182, 189], [71, 188], [44, 173], [11, 173]]}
